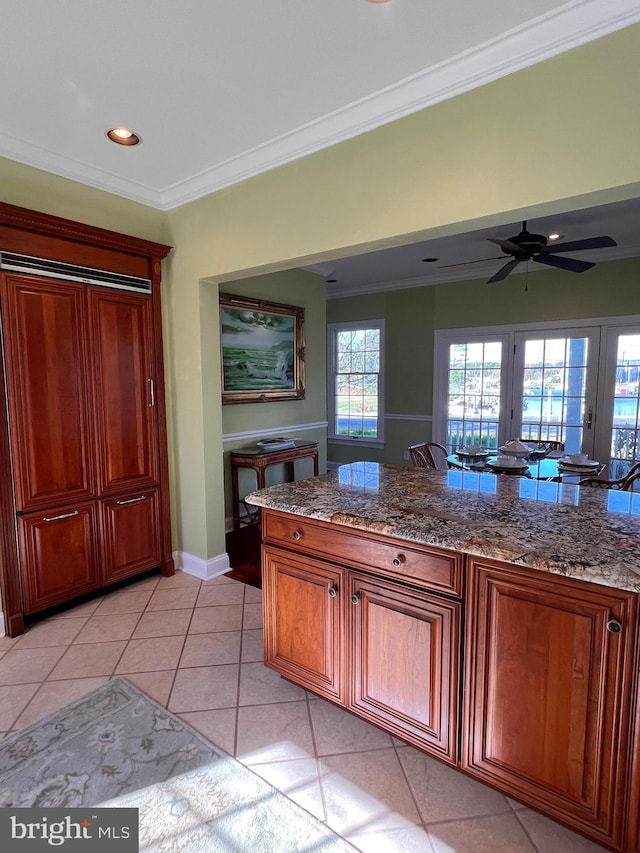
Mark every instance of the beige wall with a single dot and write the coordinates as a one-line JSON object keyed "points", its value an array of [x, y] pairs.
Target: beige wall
{"points": [[556, 136]]}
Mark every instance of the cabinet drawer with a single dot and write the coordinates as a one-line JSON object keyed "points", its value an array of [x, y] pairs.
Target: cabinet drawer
{"points": [[423, 566], [131, 535], [59, 555]]}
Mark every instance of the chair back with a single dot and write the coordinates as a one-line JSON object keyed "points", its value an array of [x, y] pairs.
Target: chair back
{"points": [[429, 454], [548, 446], [622, 484]]}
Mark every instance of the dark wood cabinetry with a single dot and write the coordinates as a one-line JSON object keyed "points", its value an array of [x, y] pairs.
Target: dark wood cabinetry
{"points": [[304, 637], [405, 661], [84, 426], [49, 395], [550, 663], [549, 669], [59, 555], [388, 652], [124, 381]]}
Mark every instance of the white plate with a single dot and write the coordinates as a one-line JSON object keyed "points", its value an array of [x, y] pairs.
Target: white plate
{"points": [[519, 466], [478, 455], [583, 466]]}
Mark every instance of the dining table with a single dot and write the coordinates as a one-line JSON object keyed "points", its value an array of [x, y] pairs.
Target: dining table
{"points": [[539, 466]]}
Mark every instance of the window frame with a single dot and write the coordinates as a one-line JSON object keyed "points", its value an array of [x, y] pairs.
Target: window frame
{"points": [[332, 331], [608, 327]]}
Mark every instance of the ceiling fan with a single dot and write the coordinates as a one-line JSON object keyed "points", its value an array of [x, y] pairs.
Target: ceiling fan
{"points": [[535, 247]]}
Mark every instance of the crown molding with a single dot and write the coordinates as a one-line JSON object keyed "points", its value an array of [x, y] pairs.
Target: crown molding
{"points": [[573, 25]]}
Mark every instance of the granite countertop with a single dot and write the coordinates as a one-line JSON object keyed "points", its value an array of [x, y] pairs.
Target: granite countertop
{"points": [[590, 534]]}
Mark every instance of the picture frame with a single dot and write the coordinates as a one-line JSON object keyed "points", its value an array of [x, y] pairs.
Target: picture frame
{"points": [[262, 349]]}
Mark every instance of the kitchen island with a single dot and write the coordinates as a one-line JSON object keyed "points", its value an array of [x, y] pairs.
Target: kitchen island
{"points": [[490, 621]]}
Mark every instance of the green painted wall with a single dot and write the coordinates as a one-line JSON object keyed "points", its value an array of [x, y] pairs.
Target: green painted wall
{"points": [[305, 290], [38, 190], [607, 290], [557, 136]]}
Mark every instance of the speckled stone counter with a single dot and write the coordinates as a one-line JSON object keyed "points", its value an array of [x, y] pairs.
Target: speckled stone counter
{"points": [[590, 534]]}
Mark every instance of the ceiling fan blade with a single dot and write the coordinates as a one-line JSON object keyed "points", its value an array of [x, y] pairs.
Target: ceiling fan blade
{"points": [[465, 263], [504, 271], [507, 245], [570, 264], [580, 245]]}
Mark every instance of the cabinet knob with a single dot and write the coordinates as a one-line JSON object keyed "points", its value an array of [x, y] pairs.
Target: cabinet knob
{"points": [[333, 591], [399, 560], [297, 534], [355, 598], [614, 626]]}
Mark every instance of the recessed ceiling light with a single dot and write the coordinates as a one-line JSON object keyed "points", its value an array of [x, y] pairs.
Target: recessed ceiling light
{"points": [[123, 136], [429, 260], [555, 236]]}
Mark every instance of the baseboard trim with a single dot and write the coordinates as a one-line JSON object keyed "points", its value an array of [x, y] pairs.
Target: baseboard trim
{"points": [[201, 568]]}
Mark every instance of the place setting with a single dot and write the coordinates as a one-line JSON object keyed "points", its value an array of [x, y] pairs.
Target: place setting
{"points": [[579, 463]]}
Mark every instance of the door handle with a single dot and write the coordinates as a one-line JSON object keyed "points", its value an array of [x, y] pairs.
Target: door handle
{"points": [[152, 392], [588, 417]]}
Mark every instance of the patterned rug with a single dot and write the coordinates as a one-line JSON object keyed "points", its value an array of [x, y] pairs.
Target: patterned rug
{"points": [[116, 747]]}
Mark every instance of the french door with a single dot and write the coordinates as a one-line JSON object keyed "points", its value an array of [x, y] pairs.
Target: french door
{"points": [[555, 381], [575, 384], [617, 431]]}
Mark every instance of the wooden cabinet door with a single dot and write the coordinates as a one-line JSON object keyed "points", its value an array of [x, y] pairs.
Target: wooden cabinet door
{"points": [[130, 535], [406, 663], [58, 552], [303, 606], [45, 333], [122, 336], [549, 669]]}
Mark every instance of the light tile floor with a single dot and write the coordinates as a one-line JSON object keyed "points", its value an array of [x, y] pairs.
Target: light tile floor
{"points": [[196, 647]]}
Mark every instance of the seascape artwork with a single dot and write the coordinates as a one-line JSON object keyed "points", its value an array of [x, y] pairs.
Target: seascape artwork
{"points": [[258, 350]]}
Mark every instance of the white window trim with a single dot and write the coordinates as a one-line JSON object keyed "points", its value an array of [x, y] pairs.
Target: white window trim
{"points": [[332, 329], [442, 338]]}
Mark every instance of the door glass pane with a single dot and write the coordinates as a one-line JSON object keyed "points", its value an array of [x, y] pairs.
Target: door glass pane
{"points": [[553, 391], [626, 406], [474, 394]]}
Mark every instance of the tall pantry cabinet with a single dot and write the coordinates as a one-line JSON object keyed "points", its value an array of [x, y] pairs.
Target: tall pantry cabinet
{"points": [[82, 422]]}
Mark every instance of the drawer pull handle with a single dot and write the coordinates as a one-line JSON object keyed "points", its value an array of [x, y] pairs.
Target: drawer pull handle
{"points": [[399, 560], [132, 500], [333, 591], [64, 515], [355, 598], [297, 534], [614, 626]]}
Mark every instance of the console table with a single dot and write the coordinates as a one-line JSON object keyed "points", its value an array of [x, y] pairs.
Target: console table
{"points": [[259, 460]]}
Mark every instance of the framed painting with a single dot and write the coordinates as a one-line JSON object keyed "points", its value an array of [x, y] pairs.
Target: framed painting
{"points": [[262, 350]]}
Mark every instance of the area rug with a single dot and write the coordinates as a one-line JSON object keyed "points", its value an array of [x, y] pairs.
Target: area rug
{"points": [[116, 747]]}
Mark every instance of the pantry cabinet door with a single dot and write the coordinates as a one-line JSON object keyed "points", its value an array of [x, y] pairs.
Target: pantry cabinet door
{"points": [[45, 329], [126, 414]]}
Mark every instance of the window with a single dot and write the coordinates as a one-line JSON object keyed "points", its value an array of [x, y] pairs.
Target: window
{"points": [[563, 381], [356, 402], [474, 393]]}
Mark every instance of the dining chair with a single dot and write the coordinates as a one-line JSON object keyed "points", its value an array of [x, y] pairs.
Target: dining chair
{"points": [[548, 445], [429, 454], [623, 484]]}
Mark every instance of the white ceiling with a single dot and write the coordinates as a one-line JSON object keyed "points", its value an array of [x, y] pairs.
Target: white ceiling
{"points": [[220, 90], [473, 256]]}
